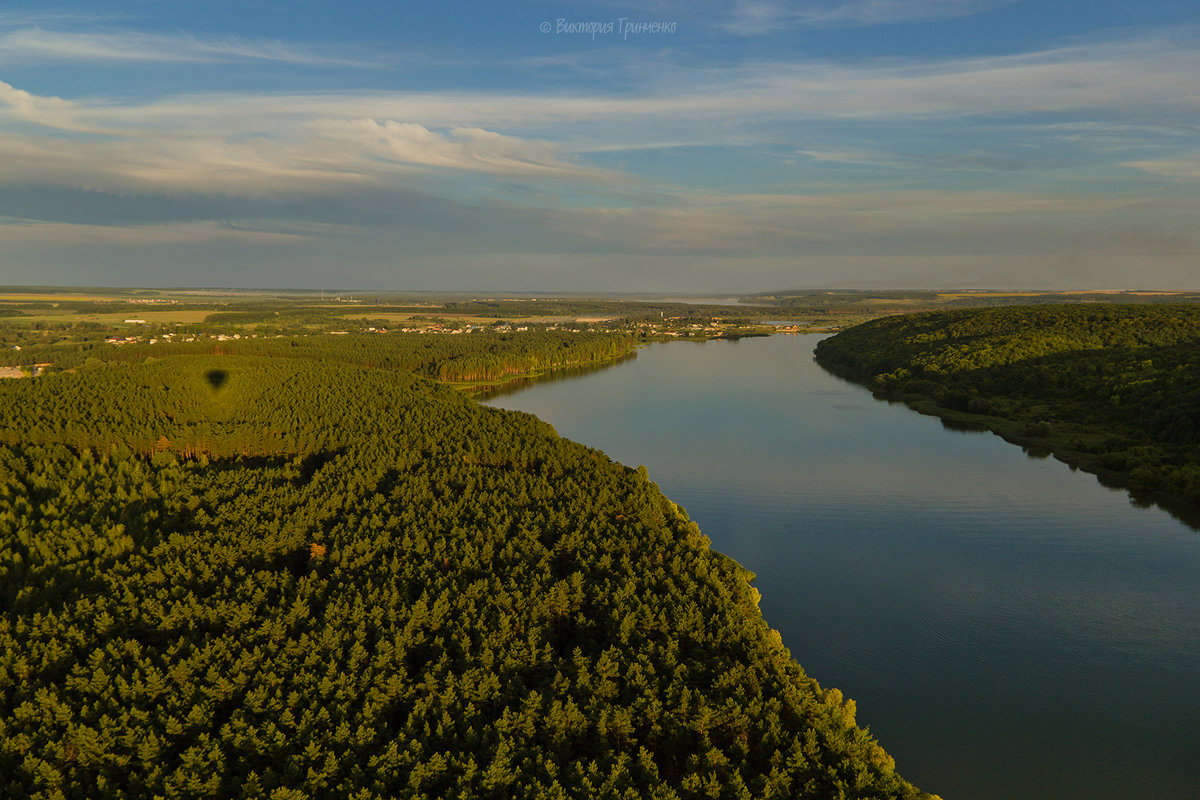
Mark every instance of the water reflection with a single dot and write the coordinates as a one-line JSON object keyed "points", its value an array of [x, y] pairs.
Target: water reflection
{"points": [[1008, 627]]}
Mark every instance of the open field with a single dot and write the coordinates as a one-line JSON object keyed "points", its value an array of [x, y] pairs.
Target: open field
{"points": [[391, 316], [959, 295], [54, 297], [163, 317]]}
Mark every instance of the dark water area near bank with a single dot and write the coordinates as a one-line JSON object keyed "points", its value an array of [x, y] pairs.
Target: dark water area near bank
{"points": [[1007, 626]]}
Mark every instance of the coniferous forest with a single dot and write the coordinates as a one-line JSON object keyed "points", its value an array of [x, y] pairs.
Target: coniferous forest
{"points": [[1114, 389], [307, 573]]}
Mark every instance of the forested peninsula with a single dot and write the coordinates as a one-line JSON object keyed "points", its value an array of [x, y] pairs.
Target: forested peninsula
{"points": [[299, 569], [1113, 389]]}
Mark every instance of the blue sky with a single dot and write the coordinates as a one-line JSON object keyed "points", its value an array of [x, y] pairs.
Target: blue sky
{"points": [[676, 147]]}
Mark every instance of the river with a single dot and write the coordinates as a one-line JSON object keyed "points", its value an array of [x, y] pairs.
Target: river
{"points": [[1008, 627]]}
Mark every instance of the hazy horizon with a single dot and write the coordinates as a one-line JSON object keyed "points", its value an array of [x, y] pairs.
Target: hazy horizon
{"points": [[551, 294]]}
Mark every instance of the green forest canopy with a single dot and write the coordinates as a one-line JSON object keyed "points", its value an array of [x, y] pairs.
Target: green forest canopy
{"points": [[273, 574], [480, 357]]}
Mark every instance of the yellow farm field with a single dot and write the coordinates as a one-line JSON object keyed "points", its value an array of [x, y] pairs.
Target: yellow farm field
{"points": [[957, 295], [164, 317], [54, 297]]}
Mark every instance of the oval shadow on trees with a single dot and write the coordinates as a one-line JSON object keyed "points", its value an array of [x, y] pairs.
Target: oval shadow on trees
{"points": [[216, 378]]}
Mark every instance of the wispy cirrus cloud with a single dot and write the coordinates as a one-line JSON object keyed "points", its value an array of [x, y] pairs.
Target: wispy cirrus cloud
{"points": [[972, 159], [757, 17], [1129, 84], [27, 19], [33, 233], [466, 148], [37, 45], [1120, 79], [256, 142], [319, 156], [1123, 81], [1183, 168]]}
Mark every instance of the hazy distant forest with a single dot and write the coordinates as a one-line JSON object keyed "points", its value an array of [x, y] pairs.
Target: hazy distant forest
{"points": [[299, 568]]}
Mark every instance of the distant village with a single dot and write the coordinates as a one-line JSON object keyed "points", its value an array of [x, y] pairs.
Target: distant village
{"points": [[670, 327]]}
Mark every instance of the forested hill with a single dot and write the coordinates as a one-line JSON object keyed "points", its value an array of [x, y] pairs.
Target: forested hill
{"points": [[1112, 388], [242, 576]]}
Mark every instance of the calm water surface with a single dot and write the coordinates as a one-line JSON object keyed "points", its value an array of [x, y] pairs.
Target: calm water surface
{"points": [[1008, 627]]}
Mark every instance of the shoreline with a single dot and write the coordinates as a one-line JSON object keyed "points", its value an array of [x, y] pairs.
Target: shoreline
{"points": [[1056, 445]]}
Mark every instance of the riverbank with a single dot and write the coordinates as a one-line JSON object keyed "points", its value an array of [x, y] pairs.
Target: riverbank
{"points": [[1109, 390], [502, 385], [1060, 442], [1006, 626], [489, 388]]}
